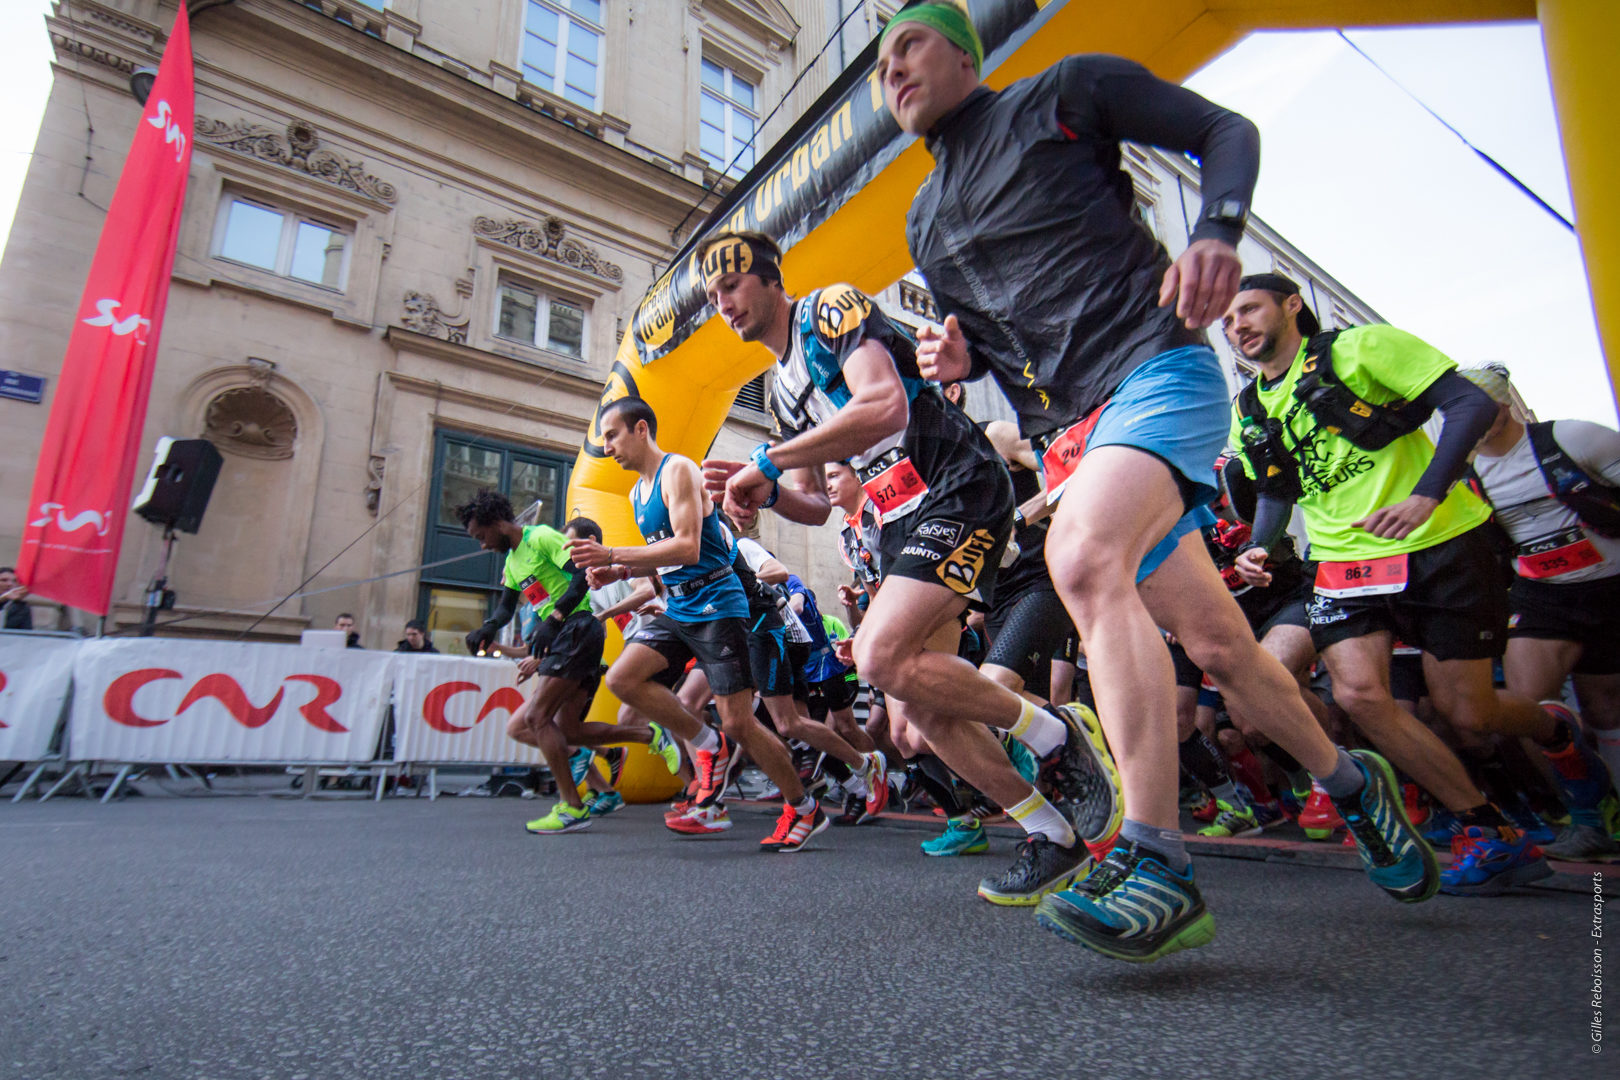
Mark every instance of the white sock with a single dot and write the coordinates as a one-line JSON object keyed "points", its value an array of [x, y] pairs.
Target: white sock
{"points": [[805, 806], [1038, 729], [856, 784], [1039, 817], [707, 739], [1608, 748]]}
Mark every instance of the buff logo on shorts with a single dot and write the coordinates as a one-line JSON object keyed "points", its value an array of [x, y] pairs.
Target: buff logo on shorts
{"points": [[839, 310], [961, 569]]}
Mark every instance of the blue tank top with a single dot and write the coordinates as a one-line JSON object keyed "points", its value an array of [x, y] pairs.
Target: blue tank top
{"points": [[706, 590]]}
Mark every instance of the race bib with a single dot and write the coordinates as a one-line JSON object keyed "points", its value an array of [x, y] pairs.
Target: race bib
{"points": [[1554, 556], [534, 592], [893, 484], [1063, 454], [623, 619], [1363, 577]]}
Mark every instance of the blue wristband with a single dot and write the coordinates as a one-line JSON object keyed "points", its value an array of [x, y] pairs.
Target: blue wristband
{"points": [[762, 461], [776, 492]]}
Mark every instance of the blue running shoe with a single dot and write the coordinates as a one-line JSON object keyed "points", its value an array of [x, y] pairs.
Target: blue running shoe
{"points": [[962, 836], [605, 803], [1441, 828], [1130, 907], [1487, 864], [579, 765], [1022, 757], [1393, 855]]}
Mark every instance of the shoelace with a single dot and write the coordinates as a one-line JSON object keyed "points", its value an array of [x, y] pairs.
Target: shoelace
{"points": [[785, 823], [710, 759]]}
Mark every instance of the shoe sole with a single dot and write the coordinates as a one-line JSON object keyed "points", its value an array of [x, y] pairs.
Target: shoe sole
{"points": [[709, 830], [1086, 721], [977, 849], [1501, 883], [815, 830], [1392, 787], [1057, 884], [583, 823], [1199, 931]]}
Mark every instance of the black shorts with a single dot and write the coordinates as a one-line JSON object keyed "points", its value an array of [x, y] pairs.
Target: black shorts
{"points": [[575, 652], [1082, 689], [832, 695], [955, 538], [1188, 674], [1585, 612], [768, 660], [1266, 608], [721, 649], [798, 656], [1406, 681], [1453, 607], [1026, 633], [1070, 653]]}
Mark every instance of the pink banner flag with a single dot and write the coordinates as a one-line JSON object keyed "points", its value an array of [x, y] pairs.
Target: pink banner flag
{"points": [[80, 500]]}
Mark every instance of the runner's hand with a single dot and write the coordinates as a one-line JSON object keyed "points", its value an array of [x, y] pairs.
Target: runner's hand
{"points": [[598, 576], [586, 553], [1251, 567], [1397, 522], [942, 355], [19, 593], [1202, 283], [746, 491], [848, 596], [526, 667], [715, 474], [844, 650]]}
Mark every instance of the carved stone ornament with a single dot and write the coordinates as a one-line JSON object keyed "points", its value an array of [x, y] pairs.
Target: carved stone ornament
{"points": [[548, 239], [252, 422], [374, 482], [298, 149], [423, 316]]}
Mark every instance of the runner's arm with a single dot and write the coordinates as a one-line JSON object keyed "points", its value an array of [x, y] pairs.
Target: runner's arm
{"points": [[569, 600], [505, 608], [1466, 413], [640, 593], [876, 410], [686, 503], [801, 495]]}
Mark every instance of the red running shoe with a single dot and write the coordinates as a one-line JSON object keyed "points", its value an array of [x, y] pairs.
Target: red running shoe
{"points": [[877, 785], [701, 820], [794, 830], [714, 769], [1319, 818], [1417, 808], [683, 805], [1205, 811]]}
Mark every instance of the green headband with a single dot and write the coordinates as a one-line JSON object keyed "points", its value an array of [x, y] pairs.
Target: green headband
{"points": [[950, 18]]}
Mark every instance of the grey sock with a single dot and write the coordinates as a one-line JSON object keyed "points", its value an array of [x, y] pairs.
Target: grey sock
{"points": [[1166, 844], [1346, 778], [1228, 794]]}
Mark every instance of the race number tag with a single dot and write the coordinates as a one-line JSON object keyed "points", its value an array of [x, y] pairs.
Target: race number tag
{"points": [[1063, 454], [1234, 581], [534, 592], [1363, 577], [623, 619], [893, 484], [1554, 556]]}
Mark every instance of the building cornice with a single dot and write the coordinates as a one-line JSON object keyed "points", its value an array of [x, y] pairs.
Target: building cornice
{"points": [[435, 348], [496, 406]]}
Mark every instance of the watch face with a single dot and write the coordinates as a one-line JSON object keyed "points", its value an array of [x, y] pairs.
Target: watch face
{"points": [[1227, 211]]}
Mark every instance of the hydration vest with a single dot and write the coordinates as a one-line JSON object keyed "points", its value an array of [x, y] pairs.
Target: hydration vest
{"points": [[1337, 407], [1596, 503]]}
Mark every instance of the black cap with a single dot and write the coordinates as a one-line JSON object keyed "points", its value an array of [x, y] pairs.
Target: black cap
{"points": [[1276, 283], [416, 624]]}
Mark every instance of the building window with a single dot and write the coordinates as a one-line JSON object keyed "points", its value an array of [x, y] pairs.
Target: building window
{"points": [[562, 48], [283, 242], [541, 319], [727, 117]]}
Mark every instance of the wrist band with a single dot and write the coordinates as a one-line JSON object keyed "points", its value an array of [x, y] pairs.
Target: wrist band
{"points": [[1019, 521], [776, 490], [762, 461]]}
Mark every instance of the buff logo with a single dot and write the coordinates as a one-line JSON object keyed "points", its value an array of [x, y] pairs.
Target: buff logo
{"points": [[730, 257], [840, 309], [960, 570], [620, 384]]}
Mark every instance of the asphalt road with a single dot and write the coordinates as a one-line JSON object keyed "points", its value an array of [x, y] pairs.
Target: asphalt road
{"points": [[260, 937]]}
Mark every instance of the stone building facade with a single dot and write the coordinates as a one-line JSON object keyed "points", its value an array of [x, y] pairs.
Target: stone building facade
{"points": [[414, 233]]}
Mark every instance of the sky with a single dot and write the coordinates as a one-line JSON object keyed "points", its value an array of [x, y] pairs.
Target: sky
{"points": [[1354, 174]]}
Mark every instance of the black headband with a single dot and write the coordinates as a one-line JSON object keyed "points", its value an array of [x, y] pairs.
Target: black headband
{"points": [[739, 255]]}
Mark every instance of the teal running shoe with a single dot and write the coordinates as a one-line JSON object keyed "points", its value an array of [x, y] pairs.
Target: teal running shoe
{"points": [[665, 747], [1130, 907], [962, 836], [1022, 757], [579, 765], [1393, 853], [605, 803]]}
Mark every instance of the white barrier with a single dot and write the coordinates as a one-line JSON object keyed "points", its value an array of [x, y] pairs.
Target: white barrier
{"points": [[453, 709], [160, 701], [35, 674]]}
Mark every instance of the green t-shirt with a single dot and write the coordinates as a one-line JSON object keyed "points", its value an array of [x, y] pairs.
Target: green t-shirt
{"points": [[535, 569], [1344, 483], [835, 627]]}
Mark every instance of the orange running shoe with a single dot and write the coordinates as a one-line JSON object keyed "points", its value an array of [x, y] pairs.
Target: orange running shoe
{"points": [[794, 830], [714, 769], [1319, 818]]}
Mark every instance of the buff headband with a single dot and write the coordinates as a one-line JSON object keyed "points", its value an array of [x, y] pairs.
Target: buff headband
{"points": [[950, 19], [739, 255]]}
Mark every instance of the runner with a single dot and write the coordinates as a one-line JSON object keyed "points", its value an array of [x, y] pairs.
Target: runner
{"points": [[704, 617], [1026, 235], [846, 387], [1332, 423], [1565, 598], [566, 651]]}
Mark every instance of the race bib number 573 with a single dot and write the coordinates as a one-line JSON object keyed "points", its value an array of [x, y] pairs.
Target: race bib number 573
{"points": [[1361, 577]]}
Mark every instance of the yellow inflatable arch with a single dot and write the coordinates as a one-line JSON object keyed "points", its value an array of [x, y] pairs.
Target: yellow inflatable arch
{"points": [[835, 189]]}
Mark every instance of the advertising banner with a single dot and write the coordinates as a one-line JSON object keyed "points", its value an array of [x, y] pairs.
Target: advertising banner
{"points": [[35, 674], [153, 700], [455, 709]]}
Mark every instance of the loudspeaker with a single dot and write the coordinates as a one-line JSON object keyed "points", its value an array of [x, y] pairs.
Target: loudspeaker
{"points": [[182, 478]]}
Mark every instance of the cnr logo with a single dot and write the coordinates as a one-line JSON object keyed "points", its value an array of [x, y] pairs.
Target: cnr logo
{"points": [[119, 700], [509, 698], [620, 384]]}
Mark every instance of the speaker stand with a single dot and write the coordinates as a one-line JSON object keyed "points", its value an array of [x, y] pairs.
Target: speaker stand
{"points": [[159, 597]]}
